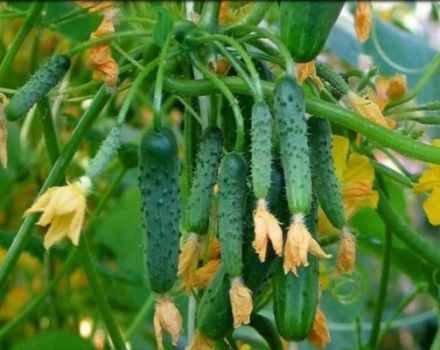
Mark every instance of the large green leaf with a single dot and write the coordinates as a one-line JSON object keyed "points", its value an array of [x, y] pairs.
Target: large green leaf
{"points": [[55, 340]]}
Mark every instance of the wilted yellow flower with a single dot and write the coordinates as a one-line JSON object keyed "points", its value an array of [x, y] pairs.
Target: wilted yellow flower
{"points": [[200, 342], [347, 253], [167, 317], [430, 182], [3, 132], [363, 20], [387, 89], [241, 302], [306, 70], [366, 108], [204, 274], [267, 228], [100, 57], [63, 208], [298, 244], [320, 335], [95, 6], [188, 260], [232, 12]]}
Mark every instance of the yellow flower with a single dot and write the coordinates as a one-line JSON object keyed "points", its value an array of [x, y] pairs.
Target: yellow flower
{"points": [[367, 108], [241, 302], [267, 228], [200, 342], [320, 335], [3, 133], [430, 182], [95, 6], [298, 244], [387, 89], [204, 274], [63, 208], [188, 260], [167, 317], [356, 176], [306, 70], [347, 253], [100, 57], [363, 20]]}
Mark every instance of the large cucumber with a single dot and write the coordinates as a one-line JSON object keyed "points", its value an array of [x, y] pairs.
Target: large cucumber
{"points": [[324, 180], [231, 201], [159, 185], [305, 26], [197, 216], [261, 137], [295, 298], [292, 130], [37, 87]]}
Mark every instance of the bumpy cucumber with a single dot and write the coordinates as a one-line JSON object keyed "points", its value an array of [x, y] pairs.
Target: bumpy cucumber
{"points": [[197, 216], [261, 137], [231, 200], [292, 131], [305, 26], [159, 185], [324, 180], [295, 298], [37, 87], [214, 313]]}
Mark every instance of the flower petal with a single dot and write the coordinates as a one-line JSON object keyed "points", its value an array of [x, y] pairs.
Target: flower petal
{"points": [[57, 231], [358, 168], [167, 317], [320, 334], [429, 180], [340, 145], [363, 20], [188, 260], [241, 302], [432, 207]]}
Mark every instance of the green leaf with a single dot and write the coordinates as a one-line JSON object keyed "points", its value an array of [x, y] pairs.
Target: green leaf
{"points": [[163, 26], [55, 340]]}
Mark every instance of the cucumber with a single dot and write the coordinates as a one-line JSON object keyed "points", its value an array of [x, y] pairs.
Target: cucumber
{"points": [[197, 216], [267, 330], [231, 201], [261, 138], [294, 151], [37, 87], [295, 298], [305, 26], [214, 313], [324, 180], [159, 186]]}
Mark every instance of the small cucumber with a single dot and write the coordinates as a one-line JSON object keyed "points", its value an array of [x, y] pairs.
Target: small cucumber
{"points": [[197, 216], [295, 298], [305, 26], [159, 186], [231, 201], [214, 313], [37, 87], [261, 136], [294, 151], [267, 330], [324, 180]]}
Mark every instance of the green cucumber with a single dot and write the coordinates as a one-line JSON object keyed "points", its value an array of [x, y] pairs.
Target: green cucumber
{"points": [[295, 298], [267, 330], [231, 201], [159, 186], [37, 87], [305, 26], [294, 151], [324, 180], [214, 313], [199, 202], [261, 136]]}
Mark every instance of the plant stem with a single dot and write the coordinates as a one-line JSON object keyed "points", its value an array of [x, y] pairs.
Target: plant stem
{"points": [[140, 316], [222, 87], [334, 113], [49, 132], [413, 240], [382, 294], [39, 299], [33, 14], [99, 295], [54, 176], [157, 102], [404, 303], [393, 175], [209, 16], [421, 83]]}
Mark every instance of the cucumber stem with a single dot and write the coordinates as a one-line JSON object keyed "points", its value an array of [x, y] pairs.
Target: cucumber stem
{"points": [[32, 17], [223, 88], [50, 136]]}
